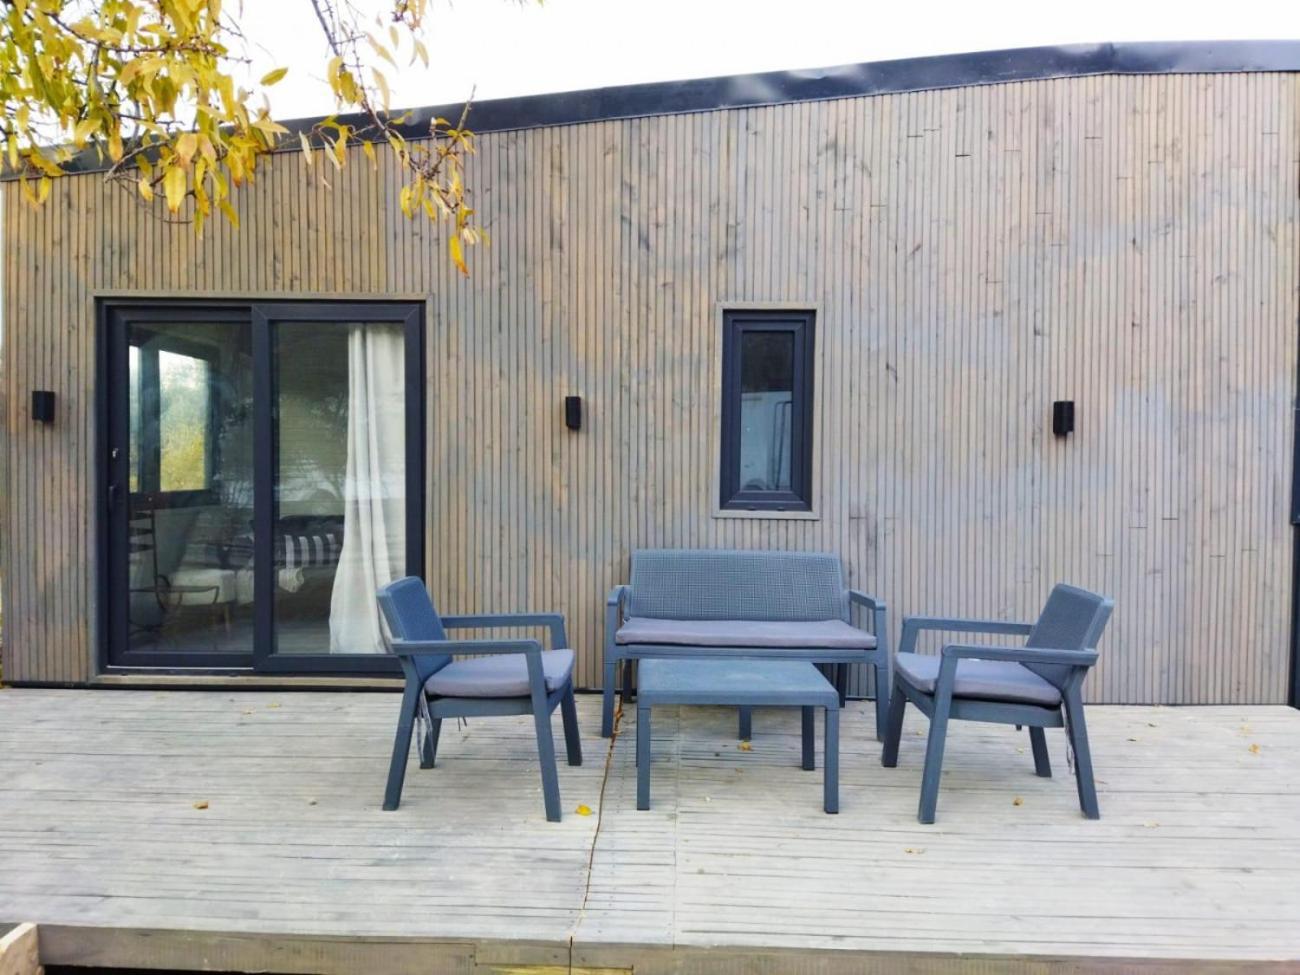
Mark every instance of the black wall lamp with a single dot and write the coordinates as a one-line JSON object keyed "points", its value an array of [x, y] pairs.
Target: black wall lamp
{"points": [[42, 406], [1063, 417], [573, 412]]}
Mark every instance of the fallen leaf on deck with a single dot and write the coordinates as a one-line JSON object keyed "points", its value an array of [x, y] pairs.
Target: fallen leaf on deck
{"points": [[201, 804], [274, 704], [913, 849], [1132, 739], [311, 802], [1151, 824], [583, 810], [1254, 749], [1017, 801], [745, 746], [248, 711]]}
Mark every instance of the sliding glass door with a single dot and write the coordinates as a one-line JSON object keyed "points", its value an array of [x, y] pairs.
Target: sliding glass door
{"points": [[263, 478]]}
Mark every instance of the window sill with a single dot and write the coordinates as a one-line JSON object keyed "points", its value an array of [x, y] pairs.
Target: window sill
{"points": [[766, 514]]}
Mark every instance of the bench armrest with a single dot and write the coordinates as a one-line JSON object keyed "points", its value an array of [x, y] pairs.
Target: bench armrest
{"points": [[554, 621], [913, 625], [1023, 655]]}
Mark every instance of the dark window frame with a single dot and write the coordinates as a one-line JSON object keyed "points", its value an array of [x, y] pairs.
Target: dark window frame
{"points": [[802, 324]]}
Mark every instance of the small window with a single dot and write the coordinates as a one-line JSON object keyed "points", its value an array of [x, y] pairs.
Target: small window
{"points": [[767, 363]]}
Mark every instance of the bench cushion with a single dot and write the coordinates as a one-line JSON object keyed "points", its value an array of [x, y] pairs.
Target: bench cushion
{"points": [[987, 680], [830, 634], [502, 675]]}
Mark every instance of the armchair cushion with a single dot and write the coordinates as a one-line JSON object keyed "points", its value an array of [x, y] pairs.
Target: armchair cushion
{"points": [[502, 675], [988, 680], [831, 634]]}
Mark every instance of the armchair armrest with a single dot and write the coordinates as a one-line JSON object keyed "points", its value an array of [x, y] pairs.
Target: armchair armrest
{"points": [[913, 625], [424, 648], [617, 596], [859, 598], [1024, 655], [554, 621]]}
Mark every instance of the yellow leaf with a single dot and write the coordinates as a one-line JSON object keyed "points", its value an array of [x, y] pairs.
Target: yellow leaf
{"points": [[146, 191], [84, 130], [201, 804], [174, 187], [745, 746], [115, 145], [1254, 749], [186, 146], [271, 77], [43, 194], [458, 258], [369, 150], [1017, 801], [229, 213], [306, 147], [583, 810]]}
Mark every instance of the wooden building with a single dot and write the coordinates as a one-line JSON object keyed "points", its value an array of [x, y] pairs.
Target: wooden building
{"points": [[919, 259]]}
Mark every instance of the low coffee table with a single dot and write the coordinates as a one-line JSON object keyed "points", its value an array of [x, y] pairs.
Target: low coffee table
{"points": [[740, 682]]}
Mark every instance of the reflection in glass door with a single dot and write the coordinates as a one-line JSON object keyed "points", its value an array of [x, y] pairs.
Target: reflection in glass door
{"points": [[264, 478]]}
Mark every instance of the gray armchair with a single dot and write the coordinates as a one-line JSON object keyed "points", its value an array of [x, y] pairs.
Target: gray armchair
{"points": [[505, 677], [1037, 685]]}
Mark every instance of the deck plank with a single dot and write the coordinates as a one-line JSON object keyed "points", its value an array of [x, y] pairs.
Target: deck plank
{"points": [[1196, 858]]}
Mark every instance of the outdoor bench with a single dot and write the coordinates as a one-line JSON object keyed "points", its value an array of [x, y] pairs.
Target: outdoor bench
{"points": [[761, 604]]}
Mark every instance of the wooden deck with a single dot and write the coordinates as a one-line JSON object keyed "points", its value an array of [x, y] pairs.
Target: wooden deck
{"points": [[293, 867]]}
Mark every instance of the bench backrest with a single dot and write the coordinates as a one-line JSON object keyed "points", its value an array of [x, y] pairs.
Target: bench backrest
{"points": [[718, 584]]}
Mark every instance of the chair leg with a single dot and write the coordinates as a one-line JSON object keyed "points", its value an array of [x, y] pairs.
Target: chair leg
{"points": [[607, 699], [808, 737], [1078, 732], [429, 747], [883, 698], [572, 740], [643, 758], [1042, 762], [893, 729], [831, 763], [746, 729], [402, 745], [934, 759], [627, 693], [842, 682], [546, 758]]}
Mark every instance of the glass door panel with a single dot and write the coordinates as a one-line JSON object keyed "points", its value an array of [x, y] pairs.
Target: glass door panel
{"points": [[181, 474], [340, 481]]}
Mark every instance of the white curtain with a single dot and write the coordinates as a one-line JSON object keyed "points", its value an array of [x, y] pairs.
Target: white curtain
{"points": [[374, 518]]}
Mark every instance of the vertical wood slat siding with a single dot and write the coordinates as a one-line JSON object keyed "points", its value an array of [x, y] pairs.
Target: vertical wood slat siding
{"points": [[1126, 242]]}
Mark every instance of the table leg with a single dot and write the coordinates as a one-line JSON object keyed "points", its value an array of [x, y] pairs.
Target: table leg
{"points": [[809, 738], [746, 724], [642, 757], [831, 762]]}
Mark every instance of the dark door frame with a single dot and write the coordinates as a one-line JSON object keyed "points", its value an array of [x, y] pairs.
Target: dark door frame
{"points": [[111, 475]]}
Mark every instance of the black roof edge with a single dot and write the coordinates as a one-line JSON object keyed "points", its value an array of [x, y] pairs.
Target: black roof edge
{"points": [[842, 81]]}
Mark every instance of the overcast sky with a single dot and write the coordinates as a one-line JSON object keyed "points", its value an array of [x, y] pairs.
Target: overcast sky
{"points": [[504, 48]]}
